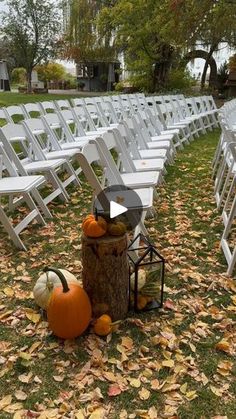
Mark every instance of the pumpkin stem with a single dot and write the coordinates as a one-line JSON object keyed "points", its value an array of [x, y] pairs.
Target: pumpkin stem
{"points": [[60, 276]]}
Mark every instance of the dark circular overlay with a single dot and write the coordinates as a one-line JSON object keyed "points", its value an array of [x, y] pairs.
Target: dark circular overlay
{"points": [[121, 195]]}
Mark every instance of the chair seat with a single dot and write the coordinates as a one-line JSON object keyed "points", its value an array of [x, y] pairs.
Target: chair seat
{"points": [[158, 144], [151, 164], [43, 165], [162, 137], [152, 154], [140, 179], [66, 154], [75, 145], [19, 184]]}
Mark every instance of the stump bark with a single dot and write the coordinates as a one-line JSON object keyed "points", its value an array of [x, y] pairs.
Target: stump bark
{"points": [[106, 275]]}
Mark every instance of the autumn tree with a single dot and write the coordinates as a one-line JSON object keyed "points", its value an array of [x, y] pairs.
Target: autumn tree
{"points": [[82, 41], [51, 71], [154, 35], [31, 28]]}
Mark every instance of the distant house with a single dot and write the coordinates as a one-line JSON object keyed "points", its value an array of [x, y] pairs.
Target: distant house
{"points": [[97, 75]]}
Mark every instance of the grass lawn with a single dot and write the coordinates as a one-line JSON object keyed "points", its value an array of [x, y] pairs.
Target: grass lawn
{"points": [[11, 98], [173, 363]]}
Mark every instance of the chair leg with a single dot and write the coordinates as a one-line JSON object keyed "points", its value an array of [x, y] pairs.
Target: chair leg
{"points": [[10, 230], [33, 207], [41, 203]]}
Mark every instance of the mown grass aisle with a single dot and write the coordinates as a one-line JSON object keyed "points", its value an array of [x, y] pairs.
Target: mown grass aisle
{"points": [[176, 363]]}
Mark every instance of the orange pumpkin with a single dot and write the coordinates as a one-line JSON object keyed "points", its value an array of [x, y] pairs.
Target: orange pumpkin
{"points": [[94, 226], [69, 311], [103, 325]]}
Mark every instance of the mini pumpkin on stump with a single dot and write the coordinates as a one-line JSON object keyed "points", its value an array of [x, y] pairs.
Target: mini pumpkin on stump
{"points": [[94, 226], [69, 311]]}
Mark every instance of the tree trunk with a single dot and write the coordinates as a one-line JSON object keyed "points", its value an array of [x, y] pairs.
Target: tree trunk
{"points": [[106, 275], [204, 73], [29, 79], [162, 67]]}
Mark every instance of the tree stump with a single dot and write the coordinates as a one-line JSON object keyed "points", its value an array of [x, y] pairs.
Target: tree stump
{"points": [[106, 275]]}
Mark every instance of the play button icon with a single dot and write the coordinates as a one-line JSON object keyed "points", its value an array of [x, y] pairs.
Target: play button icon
{"points": [[116, 209], [120, 203]]}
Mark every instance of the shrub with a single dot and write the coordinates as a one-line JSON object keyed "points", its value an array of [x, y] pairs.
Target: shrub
{"points": [[18, 76], [179, 79]]}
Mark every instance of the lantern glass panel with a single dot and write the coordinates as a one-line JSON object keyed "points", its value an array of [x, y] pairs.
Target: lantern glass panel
{"points": [[146, 274]]}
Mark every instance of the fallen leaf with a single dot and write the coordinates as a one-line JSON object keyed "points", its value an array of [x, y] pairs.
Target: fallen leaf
{"points": [[114, 390], [144, 394], [5, 401], [223, 345], [20, 395], [168, 363]]}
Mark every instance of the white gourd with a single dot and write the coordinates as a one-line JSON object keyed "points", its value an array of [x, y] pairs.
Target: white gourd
{"points": [[141, 280], [46, 283]]}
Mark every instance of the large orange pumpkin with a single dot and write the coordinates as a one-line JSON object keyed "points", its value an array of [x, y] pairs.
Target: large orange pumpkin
{"points": [[69, 311], [94, 226]]}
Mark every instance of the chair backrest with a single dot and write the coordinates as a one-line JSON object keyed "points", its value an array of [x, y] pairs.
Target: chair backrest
{"points": [[40, 136], [62, 104], [14, 113], [32, 110], [47, 106], [14, 135], [77, 101], [5, 163], [57, 129], [84, 118], [69, 118]]}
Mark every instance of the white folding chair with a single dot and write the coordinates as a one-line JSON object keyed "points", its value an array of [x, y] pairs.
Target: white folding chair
{"points": [[26, 162], [48, 148], [23, 186]]}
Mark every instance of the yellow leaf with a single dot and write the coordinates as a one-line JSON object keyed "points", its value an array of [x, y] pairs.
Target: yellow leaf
{"points": [[98, 413], [9, 292], [32, 315], [192, 347], [183, 388], [135, 382], [217, 391], [79, 415], [20, 414], [25, 356], [168, 363], [191, 395], [144, 394], [5, 401], [34, 346]]}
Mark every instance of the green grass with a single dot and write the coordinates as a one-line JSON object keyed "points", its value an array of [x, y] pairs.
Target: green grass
{"points": [[11, 98], [186, 230]]}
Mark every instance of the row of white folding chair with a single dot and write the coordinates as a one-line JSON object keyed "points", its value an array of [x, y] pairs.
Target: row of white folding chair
{"points": [[30, 159], [12, 185], [224, 174]]}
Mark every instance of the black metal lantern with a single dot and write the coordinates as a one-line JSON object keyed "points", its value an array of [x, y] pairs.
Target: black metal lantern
{"points": [[146, 277]]}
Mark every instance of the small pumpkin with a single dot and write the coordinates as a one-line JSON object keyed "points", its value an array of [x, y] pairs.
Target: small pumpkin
{"points": [[69, 310], [103, 325], [141, 302], [116, 229], [45, 284], [94, 226]]}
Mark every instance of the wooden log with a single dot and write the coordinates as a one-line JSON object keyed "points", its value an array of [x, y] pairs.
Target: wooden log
{"points": [[106, 275]]}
